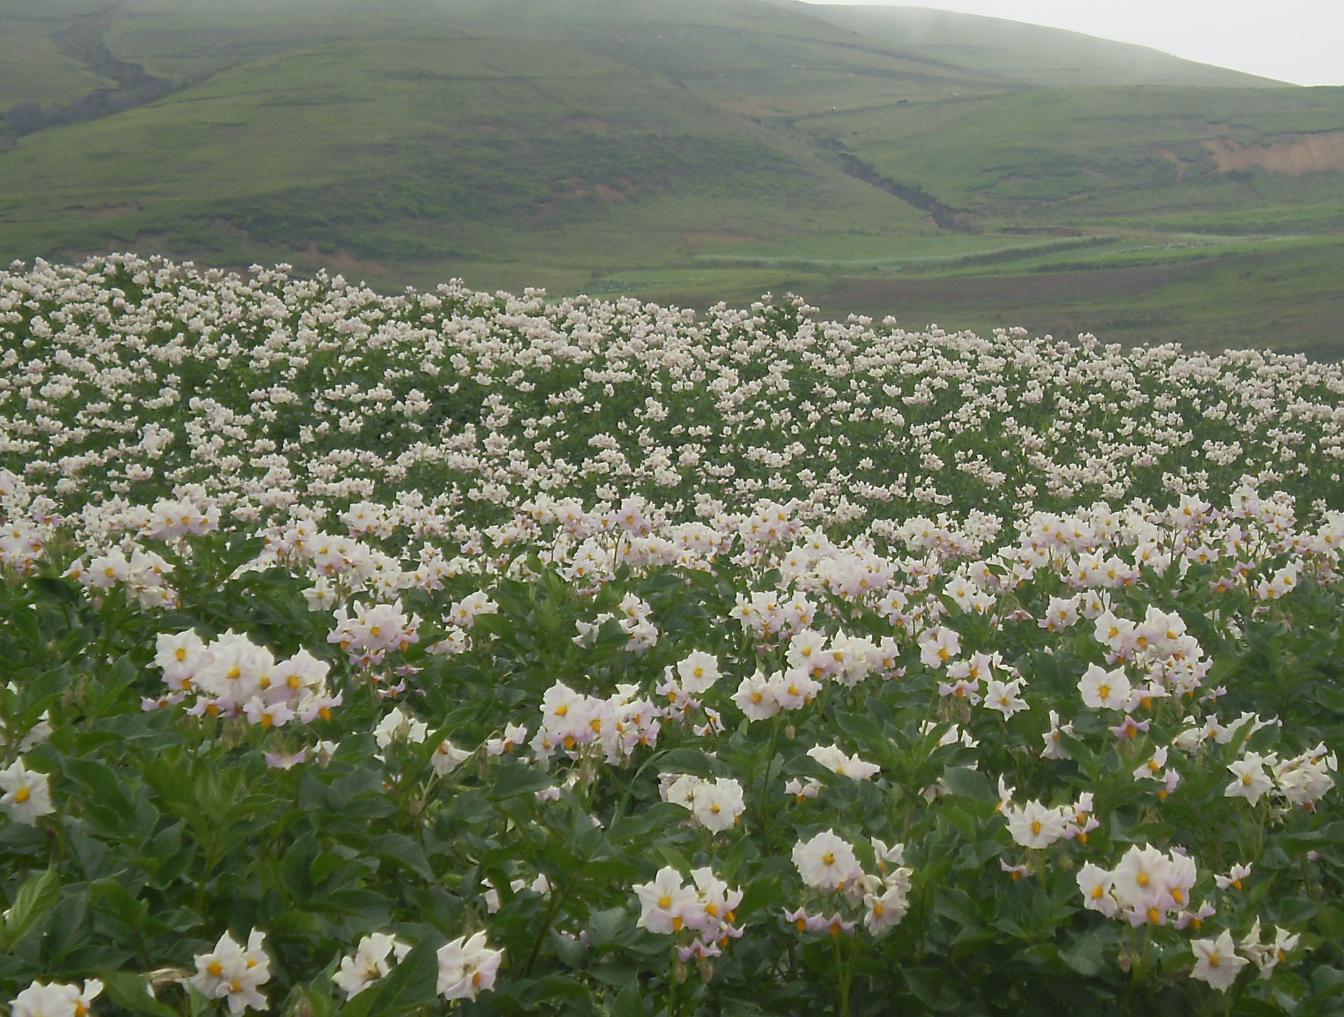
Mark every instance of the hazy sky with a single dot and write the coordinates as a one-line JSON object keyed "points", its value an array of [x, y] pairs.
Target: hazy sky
{"points": [[1292, 40]]}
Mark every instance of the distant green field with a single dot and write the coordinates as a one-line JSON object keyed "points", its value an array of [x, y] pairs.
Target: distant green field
{"points": [[1082, 156], [945, 167], [33, 66]]}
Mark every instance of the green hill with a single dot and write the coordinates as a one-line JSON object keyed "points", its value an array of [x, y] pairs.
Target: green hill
{"points": [[1029, 54], [866, 157]]}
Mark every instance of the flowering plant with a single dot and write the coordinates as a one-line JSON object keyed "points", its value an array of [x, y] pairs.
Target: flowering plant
{"points": [[373, 655]]}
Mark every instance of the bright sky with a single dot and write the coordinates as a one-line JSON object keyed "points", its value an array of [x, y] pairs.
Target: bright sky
{"points": [[1292, 40]]}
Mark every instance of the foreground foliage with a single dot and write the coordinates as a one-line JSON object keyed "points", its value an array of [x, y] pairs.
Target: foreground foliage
{"points": [[380, 655]]}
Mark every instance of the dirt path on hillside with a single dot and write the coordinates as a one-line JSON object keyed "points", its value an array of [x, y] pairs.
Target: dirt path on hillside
{"points": [[1294, 155]]}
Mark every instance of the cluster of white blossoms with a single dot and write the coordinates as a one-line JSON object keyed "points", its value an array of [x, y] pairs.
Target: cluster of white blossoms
{"points": [[571, 721], [1299, 781], [56, 999], [1146, 887], [705, 910], [175, 518], [761, 696], [715, 803], [1219, 961], [1033, 825], [234, 972], [371, 633], [144, 575], [828, 863], [233, 677]]}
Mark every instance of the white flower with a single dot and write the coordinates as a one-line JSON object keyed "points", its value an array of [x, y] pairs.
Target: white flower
{"points": [[1005, 697], [884, 910], [448, 757], [938, 646], [1251, 780], [698, 672], [1096, 884], [467, 967], [1105, 690], [1034, 826], [1234, 880], [826, 862], [27, 793], [1216, 961], [368, 963], [835, 760], [756, 698], [718, 804], [1054, 739], [665, 903], [397, 726]]}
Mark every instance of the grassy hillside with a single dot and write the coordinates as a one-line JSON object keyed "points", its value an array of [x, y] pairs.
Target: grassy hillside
{"points": [[1084, 156], [33, 65], [430, 152], [692, 150]]}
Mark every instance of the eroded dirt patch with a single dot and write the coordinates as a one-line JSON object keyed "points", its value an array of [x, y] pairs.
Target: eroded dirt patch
{"points": [[1294, 155], [712, 238], [1004, 292], [343, 262], [593, 125], [110, 211], [575, 189]]}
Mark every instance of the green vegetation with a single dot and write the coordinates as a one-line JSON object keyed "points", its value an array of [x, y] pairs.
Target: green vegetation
{"points": [[34, 67], [694, 151]]}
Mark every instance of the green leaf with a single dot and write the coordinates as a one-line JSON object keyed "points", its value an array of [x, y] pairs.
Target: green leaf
{"points": [[1330, 697], [35, 898], [968, 783], [691, 761], [629, 1002], [1084, 956], [402, 850], [1327, 981], [131, 991], [515, 778], [863, 730], [606, 927], [57, 589]]}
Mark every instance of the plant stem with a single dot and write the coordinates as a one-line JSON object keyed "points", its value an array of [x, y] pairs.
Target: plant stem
{"points": [[842, 977], [557, 901]]}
